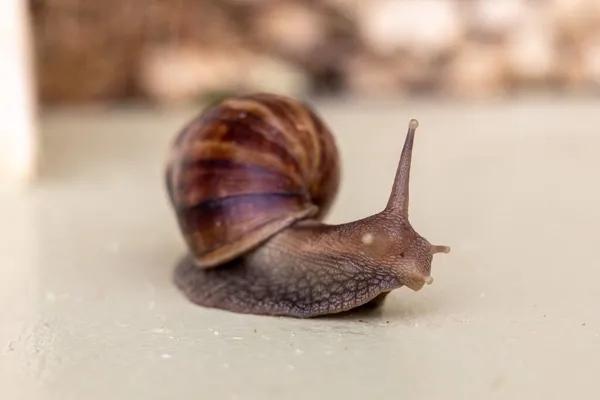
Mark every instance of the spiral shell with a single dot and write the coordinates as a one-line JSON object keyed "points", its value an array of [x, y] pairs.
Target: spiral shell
{"points": [[246, 168]]}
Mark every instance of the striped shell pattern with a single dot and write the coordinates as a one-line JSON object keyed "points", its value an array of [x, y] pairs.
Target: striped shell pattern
{"points": [[246, 168]]}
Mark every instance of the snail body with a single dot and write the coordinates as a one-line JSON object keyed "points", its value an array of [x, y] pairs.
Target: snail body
{"points": [[250, 180]]}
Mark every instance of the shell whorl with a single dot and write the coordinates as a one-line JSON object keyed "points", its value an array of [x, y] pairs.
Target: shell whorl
{"points": [[246, 168]]}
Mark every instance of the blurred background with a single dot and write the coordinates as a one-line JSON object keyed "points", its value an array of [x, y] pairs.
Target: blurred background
{"points": [[87, 307], [183, 51]]}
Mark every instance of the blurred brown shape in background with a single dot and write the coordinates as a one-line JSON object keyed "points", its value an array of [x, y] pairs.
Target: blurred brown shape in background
{"points": [[180, 51]]}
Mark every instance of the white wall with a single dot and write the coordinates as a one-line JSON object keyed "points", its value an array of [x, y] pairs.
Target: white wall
{"points": [[17, 107]]}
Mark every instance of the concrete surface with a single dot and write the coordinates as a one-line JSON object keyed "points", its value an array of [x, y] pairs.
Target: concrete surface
{"points": [[87, 309]]}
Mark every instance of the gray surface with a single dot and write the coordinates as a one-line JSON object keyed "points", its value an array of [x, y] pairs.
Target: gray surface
{"points": [[87, 310]]}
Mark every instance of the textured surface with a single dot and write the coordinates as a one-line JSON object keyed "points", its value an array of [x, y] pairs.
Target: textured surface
{"points": [[87, 310]]}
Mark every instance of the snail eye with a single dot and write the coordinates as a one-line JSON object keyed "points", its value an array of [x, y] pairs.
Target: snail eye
{"points": [[402, 254]]}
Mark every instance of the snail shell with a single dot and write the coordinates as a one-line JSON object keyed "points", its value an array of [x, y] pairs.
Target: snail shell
{"points": [[245, 169]]}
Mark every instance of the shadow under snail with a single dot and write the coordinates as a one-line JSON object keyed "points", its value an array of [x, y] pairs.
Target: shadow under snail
{"points": [[250, 180]]}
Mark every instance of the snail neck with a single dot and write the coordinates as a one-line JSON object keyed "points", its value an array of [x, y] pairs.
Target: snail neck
{"points": [[312, 269], [383, 245], [306, 270]]}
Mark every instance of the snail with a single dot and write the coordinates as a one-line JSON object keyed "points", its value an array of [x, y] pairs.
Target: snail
{"points": [[250, 180]]}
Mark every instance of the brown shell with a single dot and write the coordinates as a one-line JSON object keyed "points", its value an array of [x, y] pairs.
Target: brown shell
{"points": [[245, 169]]}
